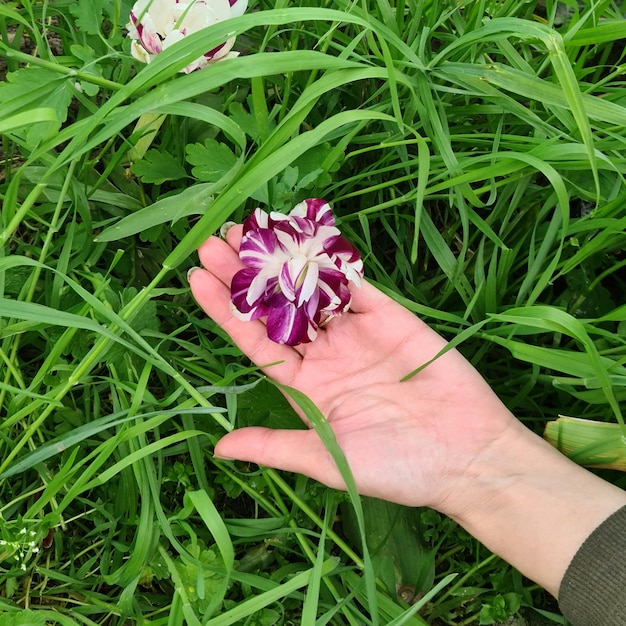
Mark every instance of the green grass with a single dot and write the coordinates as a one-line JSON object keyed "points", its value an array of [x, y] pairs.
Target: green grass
{"points": [[475, 154]]}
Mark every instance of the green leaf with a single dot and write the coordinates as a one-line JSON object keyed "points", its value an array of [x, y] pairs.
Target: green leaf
{"points": [[322, 157], [192, 201], [211, 160], [26, 617], [202, 583], [394, 537], [244, 120], [157, 167], [13, 616], [88, 15], [214, 523], [264, 405], [27, 119], [327, 435], [87, 55], [32, 87], [255, 603], [592, 36]]}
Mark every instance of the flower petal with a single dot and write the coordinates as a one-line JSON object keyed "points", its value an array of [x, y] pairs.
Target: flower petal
{"points": [[260, 248], [258, 219], [149, 38], [290, 276], [346, 258], [159, 24], [289, 324], [139, 52], [245, 308], [261, 286], [238, 7], [298, 267], [316, 210], [221, 51], [333, 290], [308, 283]]}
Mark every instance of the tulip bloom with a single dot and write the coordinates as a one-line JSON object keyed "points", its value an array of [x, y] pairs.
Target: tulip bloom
{"points": [[157, 24], [297, 271]]}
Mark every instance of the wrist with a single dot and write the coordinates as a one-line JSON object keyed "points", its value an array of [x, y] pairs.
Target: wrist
{"points": [[531, 505]]}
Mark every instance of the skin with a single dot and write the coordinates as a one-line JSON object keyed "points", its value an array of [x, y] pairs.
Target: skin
{"points": [[441, 439]]}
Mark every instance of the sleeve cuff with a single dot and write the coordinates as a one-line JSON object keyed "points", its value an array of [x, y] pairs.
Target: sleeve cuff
{"points": [[593, 589]]}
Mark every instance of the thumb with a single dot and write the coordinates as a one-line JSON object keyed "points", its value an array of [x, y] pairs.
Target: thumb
{"points": [[299, 451]]}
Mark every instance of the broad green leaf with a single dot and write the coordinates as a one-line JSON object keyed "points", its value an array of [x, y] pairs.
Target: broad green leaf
{"points": [[211, 160], [34, 87], [203, 579], [157, 166], [26, 617], [88, 15], [244, 120]]}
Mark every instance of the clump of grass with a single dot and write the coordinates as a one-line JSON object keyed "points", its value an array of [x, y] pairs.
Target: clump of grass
{"points": [[474, 152]]}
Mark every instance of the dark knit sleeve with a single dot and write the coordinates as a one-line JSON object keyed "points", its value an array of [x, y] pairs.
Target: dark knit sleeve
{"points": [[593, 590]]}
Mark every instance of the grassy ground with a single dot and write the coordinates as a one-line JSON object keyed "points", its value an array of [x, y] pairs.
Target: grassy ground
{"points": [[475, 154]]}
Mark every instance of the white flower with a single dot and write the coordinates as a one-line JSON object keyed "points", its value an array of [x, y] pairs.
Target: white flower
{"points": [[157, 24]]}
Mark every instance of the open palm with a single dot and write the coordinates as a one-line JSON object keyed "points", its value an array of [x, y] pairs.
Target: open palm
{"points": [[412, 442]]}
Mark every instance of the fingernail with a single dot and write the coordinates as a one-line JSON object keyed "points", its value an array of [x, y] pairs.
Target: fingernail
{"points": [[224, 228], [190, 271], [223, 458]]}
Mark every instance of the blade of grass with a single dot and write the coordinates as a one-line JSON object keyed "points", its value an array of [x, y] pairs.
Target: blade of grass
{"points": [[326, 434], [248, 607]]}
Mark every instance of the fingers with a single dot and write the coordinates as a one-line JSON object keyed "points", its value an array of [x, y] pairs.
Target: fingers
{"points": [[220, 259], [366, 298], [299, 451], [214, 297], [211, 289], [233, 236]]}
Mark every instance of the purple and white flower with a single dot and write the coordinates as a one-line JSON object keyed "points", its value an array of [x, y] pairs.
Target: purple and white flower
{"points": [[157, 24], [297, 271]]}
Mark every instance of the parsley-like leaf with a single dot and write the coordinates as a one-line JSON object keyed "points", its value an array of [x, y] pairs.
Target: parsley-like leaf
{"points": [[211, 160], [88, 15], [34, 87], [157, 167]]}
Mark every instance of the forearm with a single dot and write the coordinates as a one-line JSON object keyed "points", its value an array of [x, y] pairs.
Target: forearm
{"points": [[533, 507]]}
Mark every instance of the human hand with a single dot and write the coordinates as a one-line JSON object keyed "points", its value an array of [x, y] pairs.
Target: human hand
{"points": [[440, 439], [417, 442]]}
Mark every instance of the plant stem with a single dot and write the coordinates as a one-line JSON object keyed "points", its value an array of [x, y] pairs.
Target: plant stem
{"points": [[69, 72]]}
